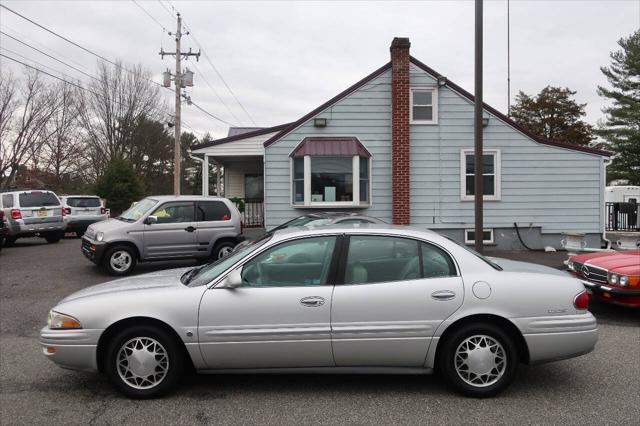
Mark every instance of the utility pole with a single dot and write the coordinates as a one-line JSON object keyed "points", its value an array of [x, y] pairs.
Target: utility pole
{"points": [[477, 130], [181, 80]]}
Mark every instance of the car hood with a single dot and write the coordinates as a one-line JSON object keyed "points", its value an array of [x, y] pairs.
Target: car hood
{"points": [[140, 283], [630, 261], [106, 226], [591, 257], [516, 266]]}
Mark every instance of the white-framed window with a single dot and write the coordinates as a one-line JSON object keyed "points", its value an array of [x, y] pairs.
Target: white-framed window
{"points": [[424, 105], [470, 236], [331, 181], [490, 174]]}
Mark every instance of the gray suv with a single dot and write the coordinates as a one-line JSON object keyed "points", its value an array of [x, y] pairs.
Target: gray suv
{"points": [[163, 228], [32, 213]]}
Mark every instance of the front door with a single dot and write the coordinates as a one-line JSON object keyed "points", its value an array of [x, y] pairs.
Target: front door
{"points": [[279, 317], [174, 234], [396, 292]]}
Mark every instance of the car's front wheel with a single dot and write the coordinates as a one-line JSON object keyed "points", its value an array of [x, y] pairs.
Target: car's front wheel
{"points": [[144, 362], [479, 360], [119, 260]]}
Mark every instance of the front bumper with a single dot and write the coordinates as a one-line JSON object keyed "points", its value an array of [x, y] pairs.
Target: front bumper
{"points": [[93, 250], [72, 349], [615, 295]]}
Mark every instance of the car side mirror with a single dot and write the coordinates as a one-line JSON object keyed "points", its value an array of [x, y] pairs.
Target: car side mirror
{"points": [[233, 280], [151, 220]]}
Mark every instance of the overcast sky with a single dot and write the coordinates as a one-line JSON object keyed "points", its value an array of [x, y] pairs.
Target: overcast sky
{"points": [[283, 59]]}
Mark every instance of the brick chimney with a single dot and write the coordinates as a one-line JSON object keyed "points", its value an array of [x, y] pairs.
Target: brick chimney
{"points": [[400, 130]]}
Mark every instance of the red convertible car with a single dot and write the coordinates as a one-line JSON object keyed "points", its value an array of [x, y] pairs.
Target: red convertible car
{"points": [[610, 276]]}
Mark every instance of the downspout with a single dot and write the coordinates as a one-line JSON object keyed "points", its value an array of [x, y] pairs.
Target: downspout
{"points": [[605, 163]]}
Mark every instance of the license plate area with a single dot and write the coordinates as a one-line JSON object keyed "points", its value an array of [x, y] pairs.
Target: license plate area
{"points": [[42, 213]]}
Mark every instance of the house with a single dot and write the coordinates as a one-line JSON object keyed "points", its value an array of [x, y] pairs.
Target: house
{"points": [[398, 145]]}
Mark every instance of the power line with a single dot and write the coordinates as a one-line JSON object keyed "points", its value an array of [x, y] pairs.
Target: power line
{"points": [[150, 16], [204, 53], [215, 92], [47, 55], [166, 10], [44, 72], [211, 115], [74, 43]]}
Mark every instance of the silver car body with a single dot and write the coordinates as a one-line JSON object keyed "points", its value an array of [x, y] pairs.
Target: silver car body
{"points": [[376, 327], [33, 218], [80, 214], [191, 239]]}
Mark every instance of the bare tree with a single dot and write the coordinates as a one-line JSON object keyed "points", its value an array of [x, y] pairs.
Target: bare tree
{"points": [[112, 107], [62, 151], [24, 124]]}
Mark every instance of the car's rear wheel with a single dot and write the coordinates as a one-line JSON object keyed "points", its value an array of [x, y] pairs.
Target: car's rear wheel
{"points": [[9, 241], [222, 249], [479, 360], [144, 362], [119, 260], [53, 237]]}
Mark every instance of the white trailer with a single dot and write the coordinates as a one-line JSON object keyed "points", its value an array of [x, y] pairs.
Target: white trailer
{"points": [[622, 194]]}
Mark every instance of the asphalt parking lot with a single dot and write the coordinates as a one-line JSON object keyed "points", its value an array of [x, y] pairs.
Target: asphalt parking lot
{"points": [[602, 387]]}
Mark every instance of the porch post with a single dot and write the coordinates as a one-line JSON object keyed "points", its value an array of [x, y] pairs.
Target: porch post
{"points": [[205, 176], [218, 185]]}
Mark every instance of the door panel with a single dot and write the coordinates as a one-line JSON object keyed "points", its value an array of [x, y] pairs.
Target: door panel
{"points": [[389, 324], [174, 235], [214, 218], [265, 327], [279, 317], [385, 314]]}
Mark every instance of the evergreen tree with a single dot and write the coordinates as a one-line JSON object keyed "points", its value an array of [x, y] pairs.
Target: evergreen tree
{"points": [[621, 127], [553, 114], [120, 185]]}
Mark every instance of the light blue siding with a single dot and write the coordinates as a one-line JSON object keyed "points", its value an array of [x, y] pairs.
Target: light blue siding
{"points": [[542, 186]]}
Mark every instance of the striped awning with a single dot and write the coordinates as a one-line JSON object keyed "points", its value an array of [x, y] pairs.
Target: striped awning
{"points": [[330, 146]]}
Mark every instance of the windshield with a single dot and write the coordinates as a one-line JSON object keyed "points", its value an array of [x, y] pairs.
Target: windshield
{"points": [[478, 255], [205, 274], [38, 199], [302, 221], [138, 210], [84, 202]]}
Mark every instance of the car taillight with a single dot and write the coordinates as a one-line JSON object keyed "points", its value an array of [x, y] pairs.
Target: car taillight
{"points": [[581, 301], [66, 211], [103, 210], [15, 214]]}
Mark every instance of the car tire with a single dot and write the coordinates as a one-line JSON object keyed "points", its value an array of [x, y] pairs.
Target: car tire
{"points": [[1, 243], [10, 241], [119, 260], [222, 249], [144, 362], [479, 360], [53, 237], [79, 234]]}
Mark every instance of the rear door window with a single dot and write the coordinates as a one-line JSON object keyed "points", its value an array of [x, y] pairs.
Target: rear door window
{"points": [[208, 211], [376, 259], [84, 202], [38, 199]]}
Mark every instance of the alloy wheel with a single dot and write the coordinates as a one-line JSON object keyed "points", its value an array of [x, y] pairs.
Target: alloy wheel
{"points": [[142, 362], [480, 360], [120, 260]]}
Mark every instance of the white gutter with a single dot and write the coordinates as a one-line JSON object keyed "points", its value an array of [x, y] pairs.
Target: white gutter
{"points": [[201, 161]]}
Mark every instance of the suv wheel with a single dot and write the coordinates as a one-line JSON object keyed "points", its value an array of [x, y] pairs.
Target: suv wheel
{"points": [[222, 249], [9, 241], [53, 237], [119, 260], [144, 362], [479, 360]]}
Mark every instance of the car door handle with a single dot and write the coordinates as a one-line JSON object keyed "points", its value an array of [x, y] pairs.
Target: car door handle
{"points": [[312, 301], [189, 229], [443, 295]]}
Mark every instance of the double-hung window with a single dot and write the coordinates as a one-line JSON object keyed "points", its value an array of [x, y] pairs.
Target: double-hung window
{"points": [[424, 106], [330, 172], [490, 174]]}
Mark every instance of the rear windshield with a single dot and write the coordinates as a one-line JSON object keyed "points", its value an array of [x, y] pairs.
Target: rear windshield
{"points": [[38, 199], [84, 202]]}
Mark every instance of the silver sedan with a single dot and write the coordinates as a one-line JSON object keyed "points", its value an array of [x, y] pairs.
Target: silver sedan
{"points": [[367, 299]]}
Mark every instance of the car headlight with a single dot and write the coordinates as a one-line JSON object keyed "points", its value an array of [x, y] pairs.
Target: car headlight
{"points": [[100, 236], [571, 266], [613, 279], [623, 280], [58, 321]]}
